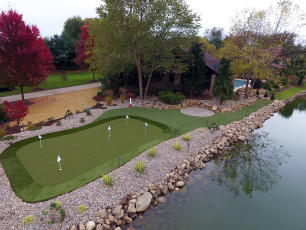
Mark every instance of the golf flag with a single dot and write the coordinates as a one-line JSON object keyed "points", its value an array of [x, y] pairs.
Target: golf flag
{"points": [[39, 137], [109, 128], [58, 159], [109, 134], [127, 117], [146, 124]]}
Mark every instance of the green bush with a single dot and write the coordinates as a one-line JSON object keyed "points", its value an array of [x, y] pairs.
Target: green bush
{"points": [[82, 209], [139, 167], [177, 146], [58, 123], [82, 120], [171, 98], [88, 113], [152, 152], [257, 92], [50, 118], [275, 85], [7, 138], [108, 180], [186, 137], [266, 94], [272, 97], [28, 219], [257, 84], [267, 85]]}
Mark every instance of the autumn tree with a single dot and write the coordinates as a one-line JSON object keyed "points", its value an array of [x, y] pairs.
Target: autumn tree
{"points": [[16, 112], [140, 33], [24, 58], [215, 36], [297, 67], [72, 28], [223, 88]]}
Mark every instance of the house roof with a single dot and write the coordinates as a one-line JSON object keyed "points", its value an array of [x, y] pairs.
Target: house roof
{"points": [[211, 62]]}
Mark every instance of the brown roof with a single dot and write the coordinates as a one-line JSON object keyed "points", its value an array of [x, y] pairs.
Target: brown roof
{"points": [[211, 62]]}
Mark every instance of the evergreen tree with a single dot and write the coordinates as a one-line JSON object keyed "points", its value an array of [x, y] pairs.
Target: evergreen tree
{"points": [[193, 79], [223, 87], [266, 94]]}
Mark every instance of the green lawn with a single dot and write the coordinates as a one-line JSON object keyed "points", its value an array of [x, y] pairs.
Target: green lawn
{"points": [[55, 81], [87, 154], [289, 92]]}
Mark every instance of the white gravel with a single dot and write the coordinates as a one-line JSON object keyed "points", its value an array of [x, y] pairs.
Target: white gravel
{"points": [[197, 112], [95, 195]]}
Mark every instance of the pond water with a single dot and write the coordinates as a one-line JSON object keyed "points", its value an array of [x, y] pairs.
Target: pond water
{"points": [[239, 83], [257, 185]]}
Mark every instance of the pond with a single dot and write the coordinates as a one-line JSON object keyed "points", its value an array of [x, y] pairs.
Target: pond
{"points": [[257, 185]]}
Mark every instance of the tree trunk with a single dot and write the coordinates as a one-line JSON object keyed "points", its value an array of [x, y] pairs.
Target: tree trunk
{"points": [[246, 92], [149, 79], [139, 77], [22, 93], [252, 86], [221, 101], [93, 75]]}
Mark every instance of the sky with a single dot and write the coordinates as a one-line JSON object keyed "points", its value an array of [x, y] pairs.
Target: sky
{"points": [[50, 16]]}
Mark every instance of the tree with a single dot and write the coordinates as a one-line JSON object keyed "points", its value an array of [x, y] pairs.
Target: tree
{"points": [[223, 87], [140, 33], [215, 36], [297, 67], [72, 28], [24, 58], [193, 79], [16, 112], [63, 51]]}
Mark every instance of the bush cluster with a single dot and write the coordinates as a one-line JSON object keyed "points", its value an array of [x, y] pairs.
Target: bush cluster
{"points": [[171, 98]]}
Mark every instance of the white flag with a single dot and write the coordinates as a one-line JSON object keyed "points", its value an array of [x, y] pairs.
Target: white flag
{"points": [[127, 117], [39, 137], [146, 124], [58, 158], [109, 128]]}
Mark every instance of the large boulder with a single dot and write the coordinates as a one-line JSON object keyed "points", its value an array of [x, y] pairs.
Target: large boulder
{"points": [[143, 202], [90, 225]]}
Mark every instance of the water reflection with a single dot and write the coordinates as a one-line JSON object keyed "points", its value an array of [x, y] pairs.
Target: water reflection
{"points": [[298, 104], [251, 166]]}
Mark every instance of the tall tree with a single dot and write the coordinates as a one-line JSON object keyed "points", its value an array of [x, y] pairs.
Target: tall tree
{"points": [[16, 112], [24, 58], [223, 87], [215, 36], [193, 79], [297, 67], [140, 33], [72, 28]]}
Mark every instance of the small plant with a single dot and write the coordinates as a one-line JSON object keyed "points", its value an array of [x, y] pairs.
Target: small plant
{"points": [[58, 123], [82, 209], [7, 138], [56, 212], [152, 152], [272, 97], [82, 120], [97, 105], [108, 180], [30, 123], [186, 137], [114, 104], [77, 111], [266, 94], [177, 146], [257, 92], [108, 100], [237, 96], [88, 113], [2, 132], [202, 136], [28, 219], [50, 118], [68, 113], [213, 127], [140, 167], [41, 123], [30, 127], [200, 130], [122, 98], [103, 107], [171, 98]]}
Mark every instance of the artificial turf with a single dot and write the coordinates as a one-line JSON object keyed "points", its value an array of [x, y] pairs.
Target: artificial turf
{"points": [[86, 153]]}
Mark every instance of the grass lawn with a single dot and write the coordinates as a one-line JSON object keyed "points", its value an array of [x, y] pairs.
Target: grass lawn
{"points": [[289, 92], [55, 81], [87, 153]]}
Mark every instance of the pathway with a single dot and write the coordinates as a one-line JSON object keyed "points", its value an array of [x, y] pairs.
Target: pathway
{"points": [[49, 92]]}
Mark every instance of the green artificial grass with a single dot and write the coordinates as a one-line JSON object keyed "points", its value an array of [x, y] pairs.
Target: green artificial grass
{"points": [[86, 154], [289, 92], [54, 81], [181, 123]]}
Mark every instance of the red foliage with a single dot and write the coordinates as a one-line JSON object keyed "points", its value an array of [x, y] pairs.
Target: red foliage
{"points": [[16, 112], [84, 48], [24, 58]]}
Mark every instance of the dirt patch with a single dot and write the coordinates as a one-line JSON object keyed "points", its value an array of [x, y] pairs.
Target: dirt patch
{"points": [[56, 105]]}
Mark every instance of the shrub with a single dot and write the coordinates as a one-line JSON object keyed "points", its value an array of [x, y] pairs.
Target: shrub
{"points": [[50, 118], [114, 105], [3, 117], [16, 112], [257, 84], [186, 137], [266, 94], [171, 98], [272, 97], [213, 126], [152, 152], [82, 209], [41, 123], [275, 85], [237, 96], [104, 107], [82, 120], [28, 219], [177, 146], [122, 98], [108, 100], [202, 136], [139, 167], [56, 212], [68, 113], [108, 180], [2, 132], [58, 123], [30, 127], [257, 92], [7, 138], [267, 85], [100, 93], [77, 111], [88, 113]]}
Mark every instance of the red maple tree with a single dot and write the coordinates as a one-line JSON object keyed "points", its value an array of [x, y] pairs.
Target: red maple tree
{"points": [[16, 112], [84, 48], [25, 60]]}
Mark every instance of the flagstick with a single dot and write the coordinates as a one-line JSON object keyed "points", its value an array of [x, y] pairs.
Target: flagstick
{"points": [[145, 129], [60, 166], [125, 121], [40, 143]]}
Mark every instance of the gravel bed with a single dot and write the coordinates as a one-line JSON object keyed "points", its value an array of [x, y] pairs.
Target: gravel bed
{"points": [[95, 195], [197, 112]]}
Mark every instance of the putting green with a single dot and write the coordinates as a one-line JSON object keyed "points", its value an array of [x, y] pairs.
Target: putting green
{"points": [[86, 153]]}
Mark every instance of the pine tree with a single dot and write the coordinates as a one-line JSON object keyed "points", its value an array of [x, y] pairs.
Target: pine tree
{"points": [[272, 97], [257, 92], [223, 87], [266, 94]]}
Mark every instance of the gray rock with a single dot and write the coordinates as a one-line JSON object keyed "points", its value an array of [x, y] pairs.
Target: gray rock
{"points": [[111, 218], [143, 202], [170, 186], [161, 199], [73, 227], [241, 138], [82, 226], [99, 227], [118, 212], [180, 183], [131, 208], [90, 225], [118, 228], [103, 214], [165, 189]]}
